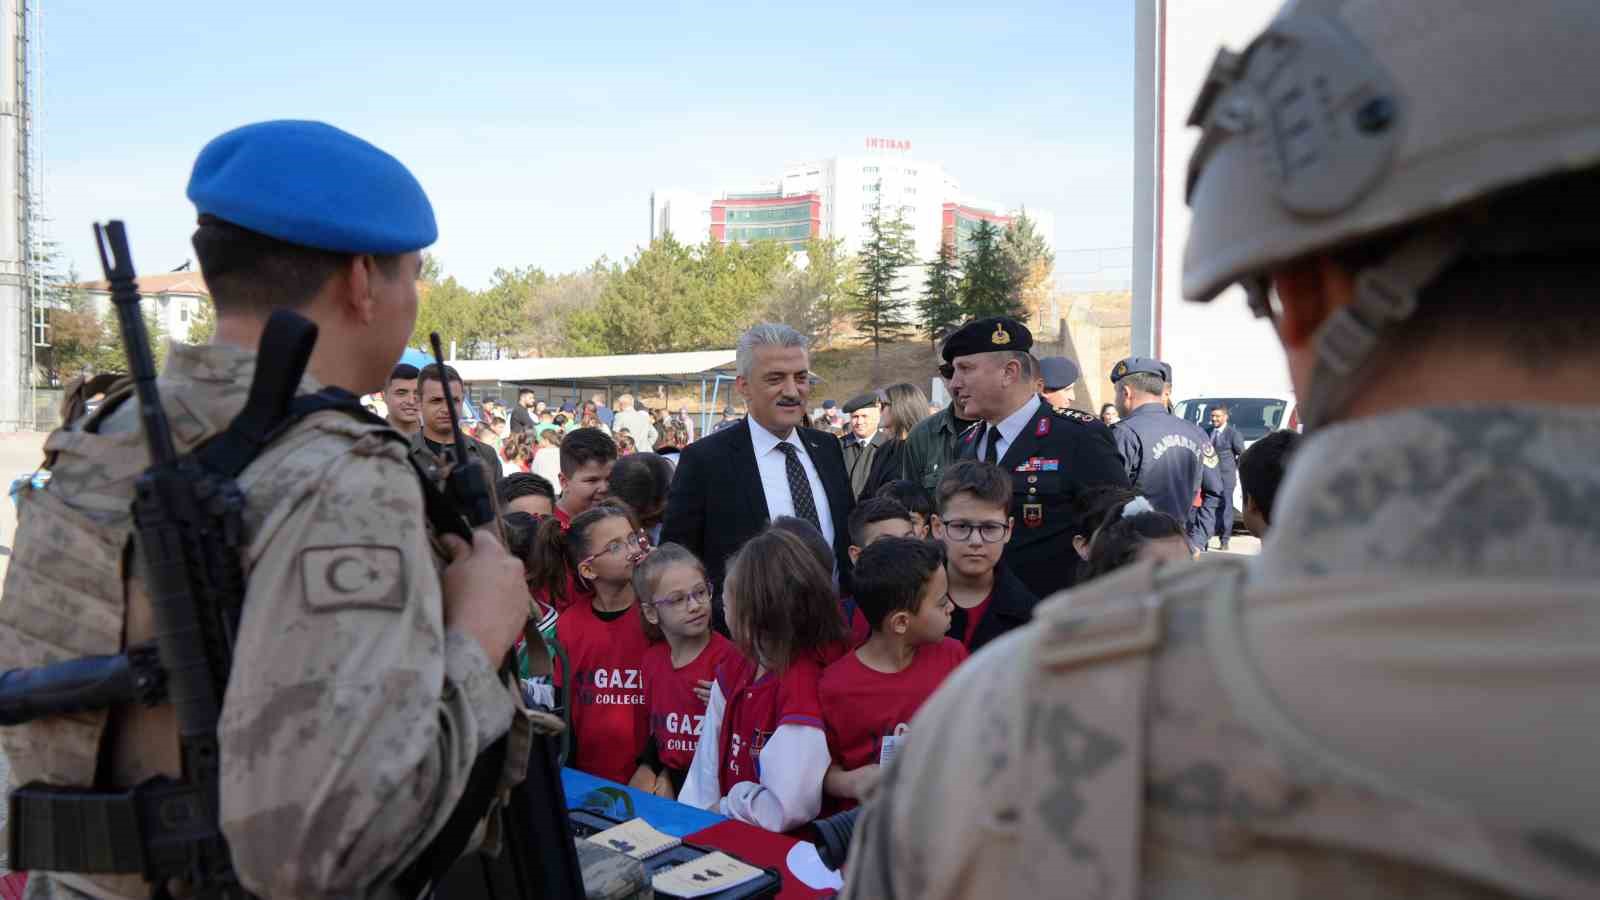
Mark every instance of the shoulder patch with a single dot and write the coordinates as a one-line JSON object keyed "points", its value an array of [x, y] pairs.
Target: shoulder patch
{"points": [[353, 577], [1077, 415], [1208, 455]]}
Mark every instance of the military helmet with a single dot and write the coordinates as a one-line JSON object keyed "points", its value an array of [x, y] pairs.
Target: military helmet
{"points": [[1349, 119]]}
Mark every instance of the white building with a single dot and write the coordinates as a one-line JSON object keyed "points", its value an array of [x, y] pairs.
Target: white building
{"points": [[686, 214], [173, 297]]}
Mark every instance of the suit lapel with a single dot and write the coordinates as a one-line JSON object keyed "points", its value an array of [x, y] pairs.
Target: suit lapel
{"points": [[746, 475], [837, 492]]}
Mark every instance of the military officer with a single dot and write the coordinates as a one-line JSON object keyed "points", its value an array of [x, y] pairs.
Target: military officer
{"points": [[1051, 454], [364, 678], [1169, 459], [1388, 702]]}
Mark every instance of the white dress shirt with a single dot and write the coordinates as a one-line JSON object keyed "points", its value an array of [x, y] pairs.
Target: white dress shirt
{"points": [[775, 476], [1010, 427]]}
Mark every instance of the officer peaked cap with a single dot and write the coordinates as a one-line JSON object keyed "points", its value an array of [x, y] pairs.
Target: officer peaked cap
{"points": [[988, 336], [1135, 364]]}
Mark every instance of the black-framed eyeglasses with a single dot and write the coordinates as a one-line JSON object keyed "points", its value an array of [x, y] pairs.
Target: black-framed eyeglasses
{"points": [[989, 532], [700, 593]]}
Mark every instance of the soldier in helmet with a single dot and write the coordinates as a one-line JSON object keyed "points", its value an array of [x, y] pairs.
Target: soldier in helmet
{"points": [[364, 679], [1397, 697]]}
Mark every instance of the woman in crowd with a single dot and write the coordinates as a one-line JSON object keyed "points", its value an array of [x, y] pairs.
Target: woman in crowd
{"points": [[902, 407]]}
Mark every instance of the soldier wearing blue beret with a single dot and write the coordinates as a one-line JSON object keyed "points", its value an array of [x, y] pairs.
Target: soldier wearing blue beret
{"points": [[1169, 459], [364, 685], [1050, 454]]}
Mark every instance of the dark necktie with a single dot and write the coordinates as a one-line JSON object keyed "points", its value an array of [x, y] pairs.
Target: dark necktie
{"points": [[991, 451], [805, 505]]}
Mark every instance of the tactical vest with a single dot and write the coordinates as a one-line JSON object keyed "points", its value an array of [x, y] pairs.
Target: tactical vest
{"points": [[69, 585], [1218, 787]]}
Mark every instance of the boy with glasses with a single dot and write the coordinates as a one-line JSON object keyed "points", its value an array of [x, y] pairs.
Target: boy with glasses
{"points": [[973, 521]]}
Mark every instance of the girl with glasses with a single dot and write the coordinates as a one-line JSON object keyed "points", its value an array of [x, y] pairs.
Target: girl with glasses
{"points": [[601, 630], [675, 602]]}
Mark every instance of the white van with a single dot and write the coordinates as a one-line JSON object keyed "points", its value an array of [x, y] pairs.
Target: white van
{"points": [[1255, 417]]}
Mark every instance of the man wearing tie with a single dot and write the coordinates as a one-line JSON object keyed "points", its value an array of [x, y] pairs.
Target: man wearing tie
{"points": [[1050, 454], [1229, 445], [731, 483]]}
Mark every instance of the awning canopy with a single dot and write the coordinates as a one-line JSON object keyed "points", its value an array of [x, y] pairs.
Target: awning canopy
{"points": [[633, 367]]}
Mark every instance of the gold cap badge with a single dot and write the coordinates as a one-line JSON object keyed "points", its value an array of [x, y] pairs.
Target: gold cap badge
{"points": [[1000, 338]]}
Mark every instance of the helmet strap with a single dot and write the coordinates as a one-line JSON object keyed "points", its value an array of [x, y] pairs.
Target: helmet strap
{"points": [[1386, 294]]}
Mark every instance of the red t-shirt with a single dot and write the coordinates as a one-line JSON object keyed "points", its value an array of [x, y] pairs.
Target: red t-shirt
{"points": [[676, 712], [756, 707], [862, 706], [974, 619], [606, 660]]}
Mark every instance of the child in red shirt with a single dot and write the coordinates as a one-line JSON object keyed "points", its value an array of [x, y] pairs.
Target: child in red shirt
{"points": [[762, 753], [869, 696], [873, 518], [675, 600], [603, 635], [974, 523]]}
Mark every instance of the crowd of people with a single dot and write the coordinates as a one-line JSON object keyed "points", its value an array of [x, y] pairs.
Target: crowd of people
{"points": [[761, 647]]}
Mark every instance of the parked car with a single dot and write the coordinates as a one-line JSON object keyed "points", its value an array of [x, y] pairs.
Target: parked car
{"points": [[1255, 417]]}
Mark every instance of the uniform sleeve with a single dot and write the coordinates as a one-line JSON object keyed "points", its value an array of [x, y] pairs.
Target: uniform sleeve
{"points": [[1127, 446], [1103, 459], [702, 788], [793, 764], [352, 718]]}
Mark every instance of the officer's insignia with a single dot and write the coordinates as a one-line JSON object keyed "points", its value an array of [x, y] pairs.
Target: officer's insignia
{"points": [[1043, 428], [1208, 455], [1122, 369], [335, 578], [1033, 514], [1075, 414], [1000, 338]]}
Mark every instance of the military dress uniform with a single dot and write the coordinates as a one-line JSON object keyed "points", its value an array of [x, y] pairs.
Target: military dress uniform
{"points": [[1169, 459], [1055, 455], [352, 715]]}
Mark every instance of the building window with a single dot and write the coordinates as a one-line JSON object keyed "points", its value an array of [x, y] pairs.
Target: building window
{"points": [[872, 188], [183, 314], [869, 170], [911, 190], [911, 172], [41, 326]]}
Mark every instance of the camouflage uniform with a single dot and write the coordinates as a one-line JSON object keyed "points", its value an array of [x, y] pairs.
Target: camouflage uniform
{"points": [[1389, 702], [352, 716]]}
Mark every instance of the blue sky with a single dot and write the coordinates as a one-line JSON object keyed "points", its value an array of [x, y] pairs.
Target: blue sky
{"points": [[539, 132]]}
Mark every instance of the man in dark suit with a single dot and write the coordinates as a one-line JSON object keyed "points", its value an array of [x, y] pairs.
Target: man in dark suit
{"points": [[732, 482], [521, 420], [1228, 443], [1050, 454]]}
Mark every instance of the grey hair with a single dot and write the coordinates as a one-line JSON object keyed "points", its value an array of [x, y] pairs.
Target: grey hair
{"points": [[764, 334]]}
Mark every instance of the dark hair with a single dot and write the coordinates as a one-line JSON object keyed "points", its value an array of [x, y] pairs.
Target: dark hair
{"points": [[1106, 406], [891, 575], [519, 529], [403, 372], [1222, 408], [625, 442], [247, 271], [559, 419], [641, 481], [647, 573], [813, 537], [430, 372], [582, 446], [913, 496], [871, 511], [1143, 382], [785, 604], [986, 482], [557, 551], [1117, 544], [1261, 469], [524, 484], [1090, 506], [525, 392]]}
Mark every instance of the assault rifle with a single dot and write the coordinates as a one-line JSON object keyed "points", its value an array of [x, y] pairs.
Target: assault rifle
{"points": [[539, 858]]}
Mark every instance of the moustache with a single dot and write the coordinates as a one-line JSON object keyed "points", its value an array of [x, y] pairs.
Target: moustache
{"points": [[787, 401]]}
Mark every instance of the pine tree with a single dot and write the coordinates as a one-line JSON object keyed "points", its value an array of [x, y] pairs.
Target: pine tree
{"points": [[986, 287], [1029, 265], [880, 310], [941, 301]]}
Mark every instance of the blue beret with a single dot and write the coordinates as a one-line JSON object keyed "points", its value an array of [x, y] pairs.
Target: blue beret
{"points": [[1058, 372], [310, 184], [1135, 364], [987, 336]]}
